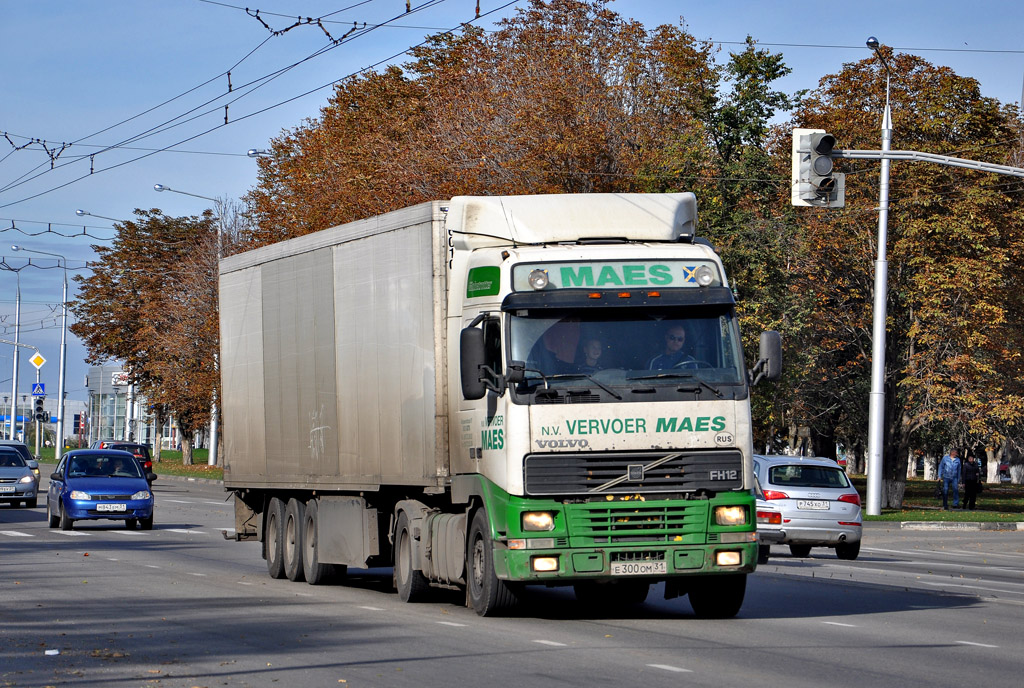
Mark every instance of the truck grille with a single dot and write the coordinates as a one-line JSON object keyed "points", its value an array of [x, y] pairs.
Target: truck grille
{"points": [[633, 522], [636, 472]]}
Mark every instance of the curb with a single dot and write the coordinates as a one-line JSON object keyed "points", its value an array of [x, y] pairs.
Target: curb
{"points": [[959, 525]]}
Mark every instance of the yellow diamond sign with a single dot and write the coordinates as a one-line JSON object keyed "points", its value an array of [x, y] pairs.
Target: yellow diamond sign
{"points": [[37, 360]]}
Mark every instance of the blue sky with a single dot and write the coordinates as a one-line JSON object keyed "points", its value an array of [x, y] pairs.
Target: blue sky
{"points": [[102, 73]]}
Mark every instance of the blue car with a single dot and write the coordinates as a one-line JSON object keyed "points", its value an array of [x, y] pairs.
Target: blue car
{"points": [[91, 484]]}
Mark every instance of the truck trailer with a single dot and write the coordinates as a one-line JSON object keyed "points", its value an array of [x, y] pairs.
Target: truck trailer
{"points": [[489, 393]]}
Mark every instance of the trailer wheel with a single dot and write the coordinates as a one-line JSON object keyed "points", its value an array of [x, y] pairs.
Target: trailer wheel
{"points": [[294, 515], [412, 584], [316, 573], [487, 594], [273, 538], [717, 597]]}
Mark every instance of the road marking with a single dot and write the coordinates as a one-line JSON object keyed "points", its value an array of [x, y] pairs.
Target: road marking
{"points": [[971, 587], [198, 574], [176, 501], [14, 533], [836, 623], [130, 533], [186, 531], [669, 667], [151, 566], [244, 583], [967, 642], [450, 623], [552, 643], [73, 533], [372, 609]]}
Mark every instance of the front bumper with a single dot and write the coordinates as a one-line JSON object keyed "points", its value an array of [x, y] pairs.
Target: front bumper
{"points": [[22, 491], [81, 510]]}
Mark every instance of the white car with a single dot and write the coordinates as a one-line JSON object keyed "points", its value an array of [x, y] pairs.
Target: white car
{"points": [[817, 505]]}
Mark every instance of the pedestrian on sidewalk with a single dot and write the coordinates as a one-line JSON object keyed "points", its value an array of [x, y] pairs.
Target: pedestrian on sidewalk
{"points": [[972, 481], [949, 474]]}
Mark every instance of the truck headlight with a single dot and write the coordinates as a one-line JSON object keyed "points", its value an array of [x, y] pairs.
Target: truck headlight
{"points": [[728, 558], [538, 279], [731, 515], [544, 563], [538, 520]]}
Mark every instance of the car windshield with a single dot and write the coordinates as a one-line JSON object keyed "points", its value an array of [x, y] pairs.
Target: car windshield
{"points": [[11, 460], [619, 347], [807, 476], [104, 466]]}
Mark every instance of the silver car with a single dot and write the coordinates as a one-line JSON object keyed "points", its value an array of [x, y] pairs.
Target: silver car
{"points": [[18, 481], [819, 506]]}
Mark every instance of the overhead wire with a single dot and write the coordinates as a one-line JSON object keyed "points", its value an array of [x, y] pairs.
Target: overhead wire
{"points": [[264, 80]]}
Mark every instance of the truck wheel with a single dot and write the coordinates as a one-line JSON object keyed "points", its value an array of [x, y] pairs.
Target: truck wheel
{"points": [[412, 585], [718, 597], [487, 594], [294, 517], [848, 550], [800, 551], [316, 573], [273, 538]]}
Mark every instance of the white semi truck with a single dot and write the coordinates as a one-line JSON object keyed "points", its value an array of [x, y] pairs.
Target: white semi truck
{"points": [[494, 392]]}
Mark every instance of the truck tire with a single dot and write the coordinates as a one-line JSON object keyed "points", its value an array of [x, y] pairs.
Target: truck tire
{"points": [[316, 573], [487, 594], [273, 538], [294, 517], [718, 597], [412, 585]]}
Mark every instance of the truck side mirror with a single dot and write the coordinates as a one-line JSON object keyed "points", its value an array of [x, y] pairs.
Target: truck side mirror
{"points": [[771, 353], [516, 372], [471, 361]]}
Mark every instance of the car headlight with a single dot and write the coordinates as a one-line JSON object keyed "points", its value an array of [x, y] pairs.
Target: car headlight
{"points": [[730, 515], [78, 494], [27, 479], [141, 494], [538, 520]]}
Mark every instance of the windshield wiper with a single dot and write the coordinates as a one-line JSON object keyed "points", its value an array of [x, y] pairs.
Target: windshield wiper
{"points": [[584, 376], [683, 376]]}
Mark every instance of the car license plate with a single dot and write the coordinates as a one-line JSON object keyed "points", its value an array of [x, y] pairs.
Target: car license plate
{"points": [[819, 504], [638, 568], [111, 507], [6, 488]]}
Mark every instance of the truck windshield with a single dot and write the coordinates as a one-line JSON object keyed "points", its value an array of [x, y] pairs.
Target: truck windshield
{"points": [[627, 349]]}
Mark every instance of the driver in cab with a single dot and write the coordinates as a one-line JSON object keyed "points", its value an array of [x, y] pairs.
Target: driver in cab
{"points": [[672, 356]]}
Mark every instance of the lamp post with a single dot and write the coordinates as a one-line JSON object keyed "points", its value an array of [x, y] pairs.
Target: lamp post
{"points": [[63, 364], [876, 405], [14, 375], [81, 213], [214, 430]]}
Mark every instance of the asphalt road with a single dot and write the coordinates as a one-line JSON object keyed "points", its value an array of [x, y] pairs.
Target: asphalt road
{"points": [[181, 606]]}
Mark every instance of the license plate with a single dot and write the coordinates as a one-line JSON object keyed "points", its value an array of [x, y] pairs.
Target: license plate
{"points": [[6, 488], [111, 507], [638, 568], [818, 504]]}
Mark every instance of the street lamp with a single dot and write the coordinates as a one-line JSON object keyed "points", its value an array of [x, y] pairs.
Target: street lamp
{"points": [[81, 213], [257, 153], [63, 364], [161, 187], [876, 405]]}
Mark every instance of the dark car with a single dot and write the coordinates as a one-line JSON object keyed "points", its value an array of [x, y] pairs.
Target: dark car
{"points": [[18, 482], [94, 484]]}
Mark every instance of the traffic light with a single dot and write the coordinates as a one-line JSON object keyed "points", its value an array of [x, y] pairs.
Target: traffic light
{"points": [[814, 182], [40, 413]]}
